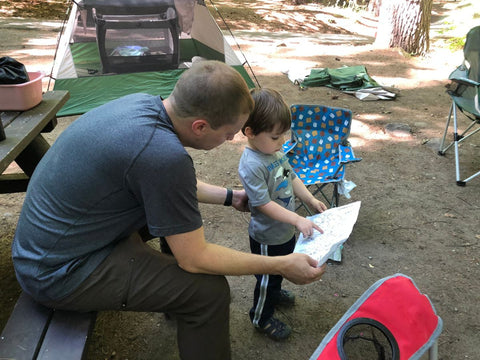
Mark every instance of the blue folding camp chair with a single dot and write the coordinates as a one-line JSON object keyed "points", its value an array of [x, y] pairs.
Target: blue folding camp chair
{"points": [[465, 92], [319, 149]]}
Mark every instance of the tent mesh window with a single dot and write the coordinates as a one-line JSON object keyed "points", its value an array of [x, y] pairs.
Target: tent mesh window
{"points": [[134, 39]]}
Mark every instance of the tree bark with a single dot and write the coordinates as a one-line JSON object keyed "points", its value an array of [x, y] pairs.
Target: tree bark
{"points": [[405, 24], [374, 7]]}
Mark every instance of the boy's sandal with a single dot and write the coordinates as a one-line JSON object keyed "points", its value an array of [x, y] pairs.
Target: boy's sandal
{"points": [[275, 329]]}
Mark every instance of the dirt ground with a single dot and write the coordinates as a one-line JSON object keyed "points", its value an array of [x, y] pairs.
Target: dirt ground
{"points": [[413, 220]]}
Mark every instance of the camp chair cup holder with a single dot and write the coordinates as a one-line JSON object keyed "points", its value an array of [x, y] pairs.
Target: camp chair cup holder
{"points": [[377, 336]]}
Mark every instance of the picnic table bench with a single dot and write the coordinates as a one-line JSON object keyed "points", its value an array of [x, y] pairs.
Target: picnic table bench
{"points": [[35, 332]]}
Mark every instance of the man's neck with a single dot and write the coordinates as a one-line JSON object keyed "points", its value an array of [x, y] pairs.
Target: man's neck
{"points": [[180, 125]]}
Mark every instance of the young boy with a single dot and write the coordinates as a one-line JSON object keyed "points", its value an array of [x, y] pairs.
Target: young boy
{"points": [[271, 186]]}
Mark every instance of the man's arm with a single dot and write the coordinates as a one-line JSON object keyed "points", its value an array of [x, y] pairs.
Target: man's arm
{"points": [[212, 194], [196, 255]]}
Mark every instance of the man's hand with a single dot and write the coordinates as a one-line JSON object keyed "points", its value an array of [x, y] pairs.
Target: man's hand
{"points": [[301, 269]]}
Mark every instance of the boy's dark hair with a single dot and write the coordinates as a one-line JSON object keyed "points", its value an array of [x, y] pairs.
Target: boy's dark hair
{"points": [[270, 112]]}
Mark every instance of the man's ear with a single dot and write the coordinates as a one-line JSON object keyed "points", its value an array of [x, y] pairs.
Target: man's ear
{"points": [[199, 126]]}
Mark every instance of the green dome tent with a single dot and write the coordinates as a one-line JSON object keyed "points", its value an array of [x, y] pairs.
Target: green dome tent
{"points": [[111, 48]]}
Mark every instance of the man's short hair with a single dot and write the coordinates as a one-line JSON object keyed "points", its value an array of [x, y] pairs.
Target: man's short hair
{"points": [[214, 91]]}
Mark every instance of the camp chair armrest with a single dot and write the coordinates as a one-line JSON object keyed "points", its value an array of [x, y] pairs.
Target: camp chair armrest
{"points": [[346, 154], [460, 72], [289, 146], [465, 81]]}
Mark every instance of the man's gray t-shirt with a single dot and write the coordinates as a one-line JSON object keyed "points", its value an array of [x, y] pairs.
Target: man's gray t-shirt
{"points": [[113, 170], [267, 178]]}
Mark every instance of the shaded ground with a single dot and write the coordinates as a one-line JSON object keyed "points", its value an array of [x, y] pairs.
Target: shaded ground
{"points": [[413, 220]]}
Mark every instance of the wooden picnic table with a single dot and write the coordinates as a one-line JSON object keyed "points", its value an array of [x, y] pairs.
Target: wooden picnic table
{"points": [[24, 142]]}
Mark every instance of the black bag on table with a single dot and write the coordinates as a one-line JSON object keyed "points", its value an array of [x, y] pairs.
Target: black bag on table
{"points": [[12, 71]]}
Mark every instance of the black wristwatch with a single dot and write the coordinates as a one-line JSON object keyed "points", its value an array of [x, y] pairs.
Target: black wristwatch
{"points": [[228, 199]]}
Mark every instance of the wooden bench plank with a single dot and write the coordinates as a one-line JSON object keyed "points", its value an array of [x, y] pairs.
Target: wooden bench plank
{"points": [[35, 332], [25, 329], [67, 336]]}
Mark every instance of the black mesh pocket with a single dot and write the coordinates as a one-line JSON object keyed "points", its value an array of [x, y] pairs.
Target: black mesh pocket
{"points": [[366, 339]]}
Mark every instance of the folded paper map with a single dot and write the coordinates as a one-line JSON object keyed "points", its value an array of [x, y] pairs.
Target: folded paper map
{"points": [[337, 225]]}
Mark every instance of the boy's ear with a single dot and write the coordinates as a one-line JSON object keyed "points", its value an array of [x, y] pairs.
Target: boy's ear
{"points": [[199, 126], [249, 132]]}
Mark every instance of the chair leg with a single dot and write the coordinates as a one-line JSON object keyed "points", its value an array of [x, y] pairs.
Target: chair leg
{"points": [[337, 255], [333, 200], [470, 178], [307, 209], [442, 149], [433, 351], [457, 139], [335, 196]]}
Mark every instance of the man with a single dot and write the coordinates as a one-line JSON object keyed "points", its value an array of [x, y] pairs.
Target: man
{"points": [[121, 167]]}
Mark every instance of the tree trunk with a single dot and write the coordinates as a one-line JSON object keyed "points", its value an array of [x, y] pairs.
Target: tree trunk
{"points": [[374, 7], [405, 24]]}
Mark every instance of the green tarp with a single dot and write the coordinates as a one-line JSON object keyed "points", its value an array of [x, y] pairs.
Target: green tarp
{"points": [[353, 80], [347, 78]]}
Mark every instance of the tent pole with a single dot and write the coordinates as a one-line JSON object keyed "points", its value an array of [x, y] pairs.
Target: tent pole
{"points": [[59, 37], [236, 43]]}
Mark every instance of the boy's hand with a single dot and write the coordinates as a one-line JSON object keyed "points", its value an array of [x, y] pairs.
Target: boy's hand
{"points": [[317, 205], [306, 226]]}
